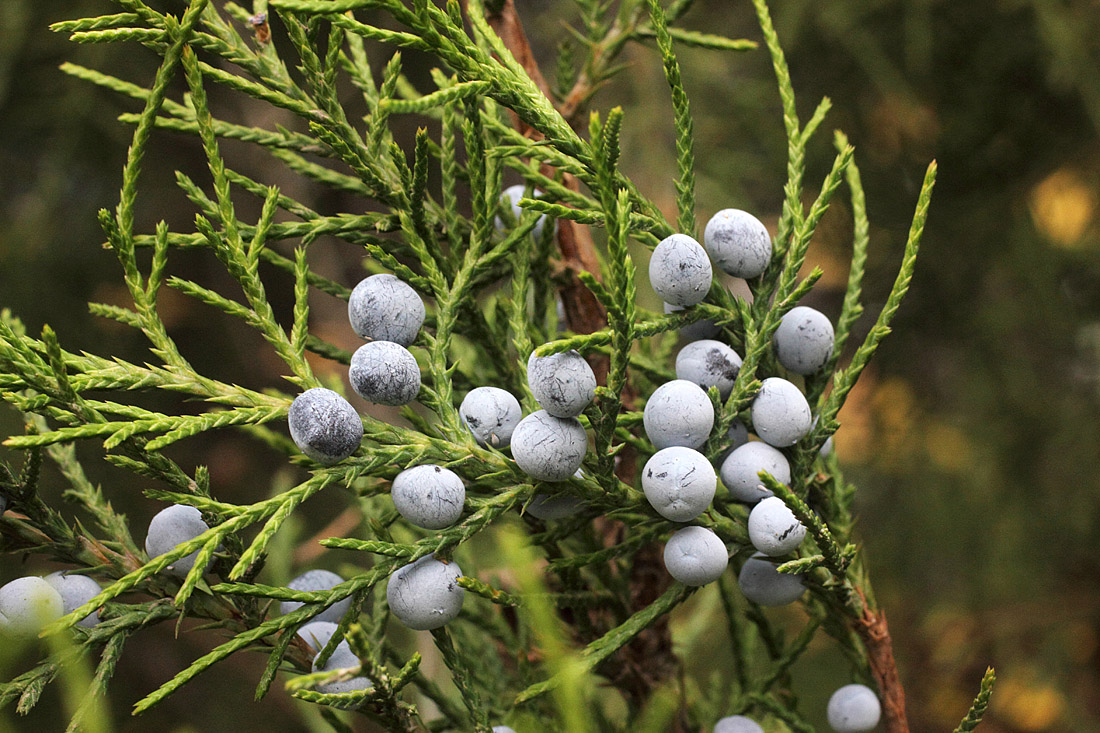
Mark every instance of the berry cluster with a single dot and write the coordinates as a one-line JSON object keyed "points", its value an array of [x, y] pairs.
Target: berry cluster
{"points": [[549, 445]]}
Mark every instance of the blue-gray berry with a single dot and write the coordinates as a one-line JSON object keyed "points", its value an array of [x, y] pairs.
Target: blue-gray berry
{"points": [[737, 724], [385, 308], [680, 271], [773, 527], [740, 471], [737, 435], [549, 448], [826, 448], [804, 340], [738, 243], [425, 595], [384, 373], [780, 413], [511, 196], [491, 414], [678, 413], [429, 496], [854, 709], [171, 527], [502, 729], [695, 556], [75, 591], [679, 483], [564, 384], [324, 425], [701, 329], [318, 633], [342, 658], [709, 364], [313, 580], [26, 605], [761, 583]]}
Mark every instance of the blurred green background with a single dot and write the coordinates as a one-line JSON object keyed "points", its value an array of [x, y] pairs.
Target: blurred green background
{"points": [[975, 435]]}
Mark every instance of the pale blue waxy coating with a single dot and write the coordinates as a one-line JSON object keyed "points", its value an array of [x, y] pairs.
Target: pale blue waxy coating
{"points": [[804, 340], [324, 425], [318, 633], [740, 471], [429, 496], [737, 435], [385, 308], [75, 591], [384, 373], [826, 448], [491, 414], [702, 329], [773, 527], [26, 605], [425, 595], [171, 527], [511, 197], [342, 658], [695, 556], [564, 384], [854, 709], [761, 583], [312, 580], [678, 413], [680, 271], [502, 729], [679, 483], [709, 364], [549, 448], [780, 413], [737, 724], [738, 243]]}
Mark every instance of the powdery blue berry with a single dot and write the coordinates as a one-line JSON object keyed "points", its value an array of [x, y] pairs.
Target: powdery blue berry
{"points": [[780, 413], [709, 364], [679, 483], [680, 271], [312, 580], [761, 583], [826, 448], [385, 308], [425, 595], [324, 425], [804, 340], [491, 414], [853, 709], [75, 590], [511, 196], [740, 471], [318, 633], [737, 724], [737, 435], [738, 243], [678, 413], [702, 329], [384, 373], [26, 605], [342, 658], [564, 384], [695, 556], [502, 729], [171, 527], [549, 448], [429, 496], [773, 527]]}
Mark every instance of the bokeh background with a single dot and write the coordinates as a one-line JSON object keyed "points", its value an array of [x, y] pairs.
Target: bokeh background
{"points": [[975, 435]]}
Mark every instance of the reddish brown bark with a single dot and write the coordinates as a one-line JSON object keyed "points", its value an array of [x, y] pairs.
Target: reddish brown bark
{"points": [[873, 631]]}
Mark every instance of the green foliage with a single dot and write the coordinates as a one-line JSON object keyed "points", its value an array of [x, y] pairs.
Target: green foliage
{"points": [[491, 294]]}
